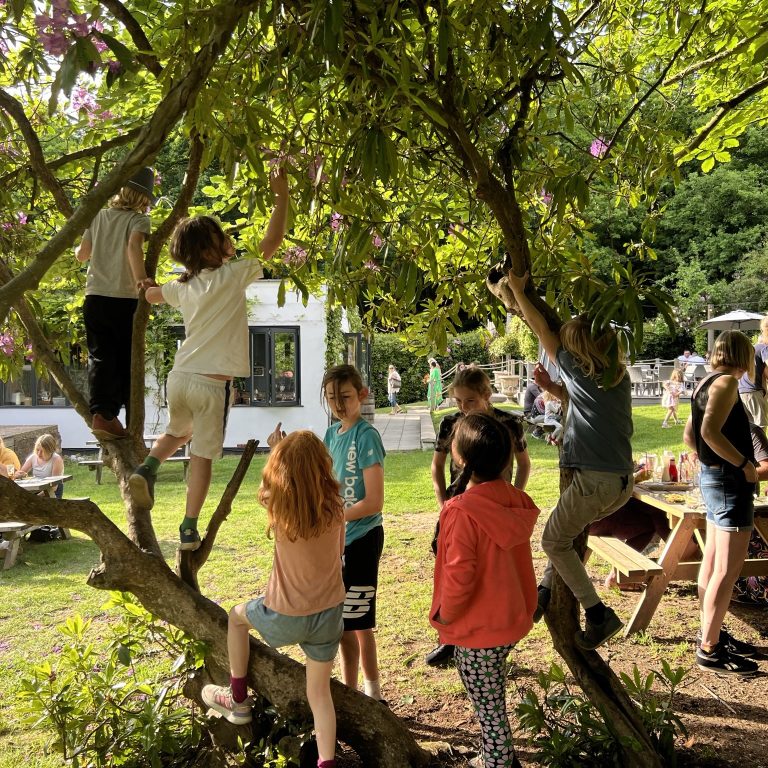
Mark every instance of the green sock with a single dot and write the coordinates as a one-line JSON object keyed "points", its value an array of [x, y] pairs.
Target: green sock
{"points": [[189, 522], [152, 463]]}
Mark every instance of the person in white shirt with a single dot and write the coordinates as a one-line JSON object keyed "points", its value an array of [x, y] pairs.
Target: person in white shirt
{"points": [[393, 389], [211, 295]]}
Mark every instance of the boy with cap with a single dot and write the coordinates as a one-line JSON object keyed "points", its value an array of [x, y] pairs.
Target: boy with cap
{"points": [[114, 244]]}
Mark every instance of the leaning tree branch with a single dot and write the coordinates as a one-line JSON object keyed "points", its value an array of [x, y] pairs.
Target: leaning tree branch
{"points": [[173, 105], [36, 157], [145, 54], [726, 107]]}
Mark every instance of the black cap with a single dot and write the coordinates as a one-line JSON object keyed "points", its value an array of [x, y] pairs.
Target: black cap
{"points": [[144, 182]]}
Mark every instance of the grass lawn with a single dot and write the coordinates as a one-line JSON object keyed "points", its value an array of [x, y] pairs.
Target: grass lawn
{"points": [[48, 583]]}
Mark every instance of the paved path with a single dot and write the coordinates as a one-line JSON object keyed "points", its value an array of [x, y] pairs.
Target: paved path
{"points": [[402, 431]]}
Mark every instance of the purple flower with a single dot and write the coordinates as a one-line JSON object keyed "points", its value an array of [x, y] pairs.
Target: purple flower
{"points": [[3, 47], [372, 266], [97, 26], [546, 197], [61, 5], [336, 221], [99, 44], [54, 43], [81, 27], [42, 22], [295, 256], [114, 66], [6, 225], [376, 240], [22, 217], [599, 147], [81, 99], [56, 649], [29, 352], [5, 645]]}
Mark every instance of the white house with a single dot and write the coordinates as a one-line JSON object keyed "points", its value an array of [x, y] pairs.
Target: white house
{"points": [[287, 364]]}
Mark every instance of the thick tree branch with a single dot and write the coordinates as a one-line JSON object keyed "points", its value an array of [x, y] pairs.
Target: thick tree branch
{"points": [[144, 54], [149, 142], [726, 107], [36, 157]]}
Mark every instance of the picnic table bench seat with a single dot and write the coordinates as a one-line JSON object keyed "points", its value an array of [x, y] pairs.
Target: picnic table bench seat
{"points": [[631, 566], [97, 465]]}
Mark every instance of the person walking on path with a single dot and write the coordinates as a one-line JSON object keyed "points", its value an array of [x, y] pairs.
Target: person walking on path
{"points": [[434, 385], [394, 383], [113, 246], [211, 295], [304, 600], [596, 445]]}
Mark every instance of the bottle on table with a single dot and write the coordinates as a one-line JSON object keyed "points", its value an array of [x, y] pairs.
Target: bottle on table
{"points": [[672, 470]]}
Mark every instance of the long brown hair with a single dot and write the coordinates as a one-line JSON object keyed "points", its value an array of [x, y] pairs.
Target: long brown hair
{"points": [[195, 244], [299, 489], [593, 355], [337, 376]]}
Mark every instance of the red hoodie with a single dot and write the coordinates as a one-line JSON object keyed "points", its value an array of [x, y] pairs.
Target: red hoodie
{"points": [[485, 587]]}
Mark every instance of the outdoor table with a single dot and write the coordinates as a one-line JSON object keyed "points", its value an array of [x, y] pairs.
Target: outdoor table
{"points": [[686, 521], [14, 532]]}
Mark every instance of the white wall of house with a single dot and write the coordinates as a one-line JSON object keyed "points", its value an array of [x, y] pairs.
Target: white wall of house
{"points": [[245, 422]]}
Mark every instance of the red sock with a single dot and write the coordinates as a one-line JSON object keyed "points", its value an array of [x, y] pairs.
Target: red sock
{"points": [[326, 763], [239, 689]]}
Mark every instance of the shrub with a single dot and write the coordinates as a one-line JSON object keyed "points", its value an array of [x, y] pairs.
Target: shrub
{"points": [[517, 342], [659, 342]]}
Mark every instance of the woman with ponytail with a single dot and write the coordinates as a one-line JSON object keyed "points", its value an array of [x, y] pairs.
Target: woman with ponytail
{"points": [[485, 588]]}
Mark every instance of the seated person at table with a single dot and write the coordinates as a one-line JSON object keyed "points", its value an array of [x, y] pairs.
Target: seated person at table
{"points": [[532, 391], [7, 458], [44, 462], [753, 590]]}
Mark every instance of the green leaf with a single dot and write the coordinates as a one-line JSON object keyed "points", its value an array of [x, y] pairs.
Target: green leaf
{"points": [[122, 53], [124, 655], [760, 54]]}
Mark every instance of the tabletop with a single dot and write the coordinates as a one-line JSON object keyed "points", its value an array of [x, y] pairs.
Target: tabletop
{"points": [[37, 484]]}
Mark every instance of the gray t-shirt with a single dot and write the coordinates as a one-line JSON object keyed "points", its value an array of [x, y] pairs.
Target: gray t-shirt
{"points": [[598, 425], [761, 358], [109, 273]]}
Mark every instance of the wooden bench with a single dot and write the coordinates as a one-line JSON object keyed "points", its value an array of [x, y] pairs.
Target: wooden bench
{"points": [[93, 465], [631, 566]]}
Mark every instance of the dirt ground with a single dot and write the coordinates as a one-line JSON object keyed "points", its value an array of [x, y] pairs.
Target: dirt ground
{"points": [[726, 718]]}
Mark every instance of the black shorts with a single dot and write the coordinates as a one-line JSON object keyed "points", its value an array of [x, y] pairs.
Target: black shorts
{"points": [[361, 578]]}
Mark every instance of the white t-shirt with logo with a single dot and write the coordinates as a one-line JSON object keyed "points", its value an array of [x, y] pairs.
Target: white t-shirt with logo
{"points": [[215, 316]]}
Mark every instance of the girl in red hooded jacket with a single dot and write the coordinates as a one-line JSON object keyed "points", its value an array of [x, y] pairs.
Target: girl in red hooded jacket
{"points": [[485, 588]]}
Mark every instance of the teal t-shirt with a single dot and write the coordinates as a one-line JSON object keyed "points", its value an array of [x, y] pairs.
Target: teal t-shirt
{"points": [[353, 451]]}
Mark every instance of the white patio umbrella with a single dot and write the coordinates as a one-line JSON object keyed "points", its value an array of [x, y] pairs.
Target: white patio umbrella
{"points": [[739, 320]]}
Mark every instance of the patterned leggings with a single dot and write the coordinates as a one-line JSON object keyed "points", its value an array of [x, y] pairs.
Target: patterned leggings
{"points": [[483, 672]]}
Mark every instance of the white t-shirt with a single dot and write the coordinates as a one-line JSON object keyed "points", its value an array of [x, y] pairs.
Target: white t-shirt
{"points": [[215, 318]]}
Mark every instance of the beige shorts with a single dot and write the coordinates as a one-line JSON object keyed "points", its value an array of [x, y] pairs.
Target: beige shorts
{"points": [[756, 407], [198, 405]]}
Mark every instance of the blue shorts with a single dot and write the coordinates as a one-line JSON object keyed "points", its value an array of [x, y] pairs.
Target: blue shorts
{"points": [[729, 498], [318, 634]]}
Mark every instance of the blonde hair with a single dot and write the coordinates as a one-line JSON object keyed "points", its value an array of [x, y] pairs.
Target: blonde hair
{"points": [[130, 199], [474, 379], [734, 350], [299, 489], [676, 375], [764, 330], [47, 443], [592, 355]]}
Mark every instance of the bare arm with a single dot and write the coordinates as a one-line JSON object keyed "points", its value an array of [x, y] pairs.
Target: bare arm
{"points": [[134, 252], [438, 476], [25, 467], [372, 503], [536, 322], [522, 470], [723, 394], [544, 381], [58, 466], [83, 251], [154, 295], [688, 437], [279, 220]]}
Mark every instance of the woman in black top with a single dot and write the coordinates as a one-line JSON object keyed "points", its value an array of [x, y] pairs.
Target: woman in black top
{"points": [[718, 430]]}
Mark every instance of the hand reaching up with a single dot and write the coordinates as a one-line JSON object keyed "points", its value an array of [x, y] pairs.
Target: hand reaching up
{"points": [[276, 436]]}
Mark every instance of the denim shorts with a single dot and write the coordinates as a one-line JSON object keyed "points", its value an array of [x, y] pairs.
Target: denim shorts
{"points": [[318, 634], [729, 498]]}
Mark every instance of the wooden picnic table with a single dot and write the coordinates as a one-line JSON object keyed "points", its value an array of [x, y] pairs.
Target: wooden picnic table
{"points": [[13, 532], [687, 521]]}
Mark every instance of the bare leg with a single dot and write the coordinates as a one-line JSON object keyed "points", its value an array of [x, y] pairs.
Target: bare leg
{"points": [[724, 565], [350, 659], [166, 445], [321, 704], [366, 641], [238, 641], [200, 471]]}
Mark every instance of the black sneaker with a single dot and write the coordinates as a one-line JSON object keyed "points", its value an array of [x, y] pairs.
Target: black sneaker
{"points": [[542, 602], [441, 656], [594, 634], [732, 645], [722, 662], [189, 539], [142, 485]]}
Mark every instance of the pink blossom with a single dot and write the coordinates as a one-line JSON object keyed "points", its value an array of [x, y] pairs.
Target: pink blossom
{"points": [[56, 649], [99, 44], [6, 225], [82, 99], [61, 5], [336, 221], [295, 256], [22, 217], [2, 3], [3, 46], [93, 118], [7, 344], [29, 353], [114, 66], [376, 240], [448, 350], [599, 147], [42, 22], [54, 43], [97, 26], [546, 197], [81, 27], [372, 266]]}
